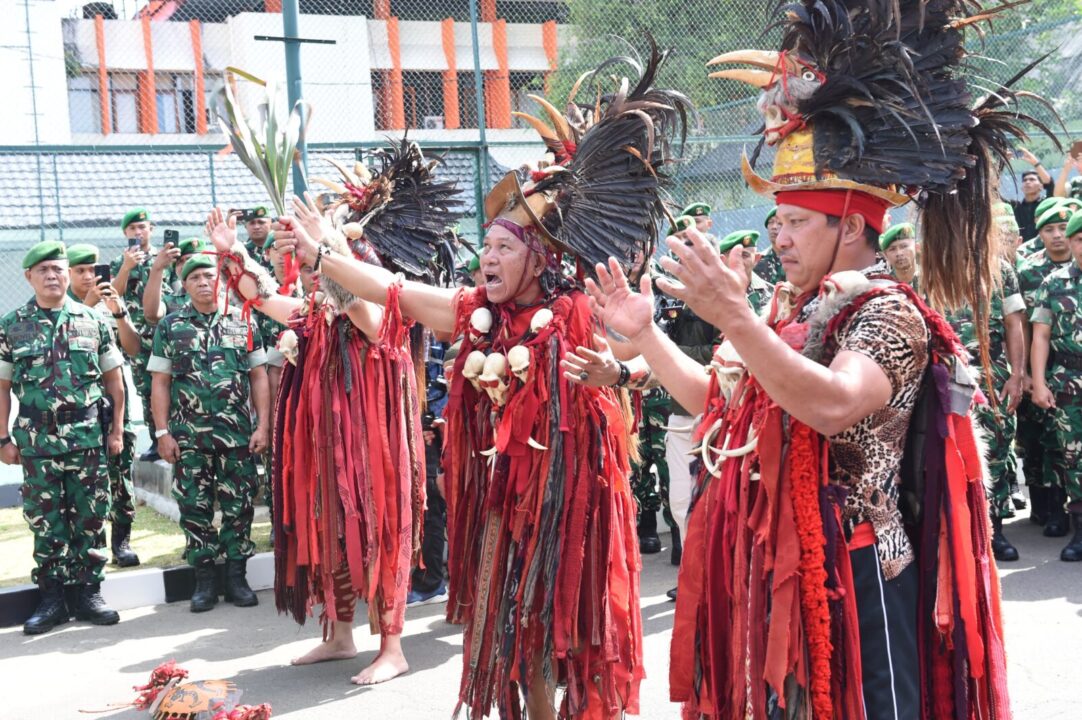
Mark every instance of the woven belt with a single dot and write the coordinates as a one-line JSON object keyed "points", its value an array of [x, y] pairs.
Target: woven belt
{"points": [[53, 418]]}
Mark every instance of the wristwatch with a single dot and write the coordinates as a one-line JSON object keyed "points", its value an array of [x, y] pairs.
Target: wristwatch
{"points": [[123, 313], [159, 434]]}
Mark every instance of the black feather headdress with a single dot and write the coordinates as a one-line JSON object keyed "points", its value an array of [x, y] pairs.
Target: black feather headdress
{"points": [[870, 95], [602, 193], [398, 209]]}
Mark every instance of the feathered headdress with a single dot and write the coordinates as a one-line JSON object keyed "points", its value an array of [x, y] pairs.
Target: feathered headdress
{"points": [[868, 95], [602, 194], [398, 210]]}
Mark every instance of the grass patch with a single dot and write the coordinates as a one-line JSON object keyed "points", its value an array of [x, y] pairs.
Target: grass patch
{"points": [[157, 540]]}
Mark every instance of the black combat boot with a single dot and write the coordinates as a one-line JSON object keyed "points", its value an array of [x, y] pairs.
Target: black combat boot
{"points": [[1057, 523], [236, 584], [123, 555], [1001, 546], [1073, 551], [91, 606], [649, 542], [1038, 504], [205, 595], [677, 547], [51, 610]]}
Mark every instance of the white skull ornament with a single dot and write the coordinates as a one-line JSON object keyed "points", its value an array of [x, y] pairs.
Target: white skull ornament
{"points": [[519, 359], [480, 323], [494, 378], [287, 345], [473, 367], [540, 320]]}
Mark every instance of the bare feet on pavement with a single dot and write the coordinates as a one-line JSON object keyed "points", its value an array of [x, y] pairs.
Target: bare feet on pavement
{"points": [[334, 649], [387, 665]]}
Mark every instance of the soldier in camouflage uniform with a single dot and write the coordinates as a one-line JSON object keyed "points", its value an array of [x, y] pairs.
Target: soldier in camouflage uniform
{"points": [[650, 476], [205, 372], [759, 291], [769, 267], [899, 246], [1006, 353], [700, 214], [103, 300], [1034, 433], [1035, 243], [258, 226], [1056, 360], [59, 359]]}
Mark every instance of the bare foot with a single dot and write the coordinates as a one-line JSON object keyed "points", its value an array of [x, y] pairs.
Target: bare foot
{"points": [[387, 665], [334, 649]]}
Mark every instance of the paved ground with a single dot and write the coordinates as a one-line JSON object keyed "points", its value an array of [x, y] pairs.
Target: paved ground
{"points": [[81, 667]]}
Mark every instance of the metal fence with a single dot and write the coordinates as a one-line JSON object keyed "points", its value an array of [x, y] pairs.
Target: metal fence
{"points": [[112, 105]]}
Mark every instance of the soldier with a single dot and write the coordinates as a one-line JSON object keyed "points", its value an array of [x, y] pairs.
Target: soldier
{"points": [[1034, 438], [60, 360], [162, 296], [257, 221], [1006, 354], [1057, 382], [769, 268], [103, 300], [1035, 243], [203, 377], [759, 291], [700, 213], [899, 246], [130, 272]]}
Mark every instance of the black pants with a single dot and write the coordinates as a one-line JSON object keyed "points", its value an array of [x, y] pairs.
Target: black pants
{"points": [[430, 577], [887, 612]]}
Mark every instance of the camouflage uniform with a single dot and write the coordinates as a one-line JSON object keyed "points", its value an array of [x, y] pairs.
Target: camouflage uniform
{"points": [[769, 267], [760, 293], [651, 497], [211, 420], [998, 424], [55, 361], [1057, 303], [1034, 437], [1029, 247]]}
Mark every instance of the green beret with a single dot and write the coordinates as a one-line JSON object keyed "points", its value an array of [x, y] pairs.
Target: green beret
{"points": [[682, 223], [770, 216], [747, 238], [201, 260], [1074, 225], [1002, 209], [136, 215], [83, 254], [269, 243], [190, 245], [695, 210], [901, 231], [1073, 203], [1045, 204], [1059, 214], [261, 211], [45, 250], [1007, 222], [474, 264]]}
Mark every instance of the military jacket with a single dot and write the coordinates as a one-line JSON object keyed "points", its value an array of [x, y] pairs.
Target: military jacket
{"points": [[759, 294], [56, 367], [1030, 246], [769, 267], [106, 316], [1032, 273], [1057, 303], [137, 282], [208, 358], [1006, 300], [269, 330]]}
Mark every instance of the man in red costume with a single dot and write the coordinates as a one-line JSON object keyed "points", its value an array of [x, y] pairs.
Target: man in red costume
{"points": [[544, 562]]}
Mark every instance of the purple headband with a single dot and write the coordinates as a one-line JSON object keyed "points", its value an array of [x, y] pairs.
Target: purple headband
{"points": [[528, 235]]}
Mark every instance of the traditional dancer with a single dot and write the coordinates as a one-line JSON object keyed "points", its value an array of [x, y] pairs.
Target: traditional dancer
{"points": [[544, 561], [348, 456], [837, 563]]}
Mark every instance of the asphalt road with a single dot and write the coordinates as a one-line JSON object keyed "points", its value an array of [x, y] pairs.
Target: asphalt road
{"points": [[80, 667]]}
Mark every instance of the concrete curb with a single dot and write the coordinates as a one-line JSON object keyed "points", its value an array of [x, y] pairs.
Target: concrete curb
{"points": [[137, 588]]}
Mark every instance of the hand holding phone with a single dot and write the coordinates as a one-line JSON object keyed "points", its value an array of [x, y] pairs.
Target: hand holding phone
{"points": [[103, 273]]}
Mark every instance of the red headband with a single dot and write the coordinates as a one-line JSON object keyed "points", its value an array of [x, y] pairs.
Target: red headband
{"points": [[837, 202]]}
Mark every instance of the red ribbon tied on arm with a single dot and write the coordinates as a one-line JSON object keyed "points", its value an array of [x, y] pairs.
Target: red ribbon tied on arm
{"points": [[290, 266]]}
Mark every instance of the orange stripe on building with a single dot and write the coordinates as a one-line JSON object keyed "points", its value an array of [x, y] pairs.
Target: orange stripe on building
{"points": [[451, 119], [200, 80], [498, 82], [488, 10], [148, 96], [397, 104], [103, 75], [548, 41], [381, 9], [272, 6]]}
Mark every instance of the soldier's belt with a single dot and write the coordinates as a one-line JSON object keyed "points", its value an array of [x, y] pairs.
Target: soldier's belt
{"points": [[59, 417], [1071, 361]]}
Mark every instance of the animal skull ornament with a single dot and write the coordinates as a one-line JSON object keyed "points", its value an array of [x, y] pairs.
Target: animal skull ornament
{"points": [[287, 345], [480, 323], [540, 320], [519, 359], [473, 367], [494, 378]]}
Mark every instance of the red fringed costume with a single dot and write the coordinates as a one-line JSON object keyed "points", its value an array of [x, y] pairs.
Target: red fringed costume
{"points": [[544, 560], [766, 612], [349, 470]]}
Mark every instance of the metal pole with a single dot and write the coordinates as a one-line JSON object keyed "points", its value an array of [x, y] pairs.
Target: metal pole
{"points": [[479, 90], [56, 190], [34, 115], [291, 31], [213, 184]]}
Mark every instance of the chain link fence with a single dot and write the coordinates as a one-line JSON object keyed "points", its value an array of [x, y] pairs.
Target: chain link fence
{"points": [[111, 105]]}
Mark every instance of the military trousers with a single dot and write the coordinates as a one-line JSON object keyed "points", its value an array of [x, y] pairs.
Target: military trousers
{"points": [[202, 477], [650, 476], [998, 428], [121, 489], [1066, 457], [65, 502], [1036, 437]]}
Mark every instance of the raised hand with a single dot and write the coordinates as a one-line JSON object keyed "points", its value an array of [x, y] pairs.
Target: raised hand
{"points": [[596, 367], [617, 305], [291, 237], [166, 257], [222, 230], [310, 218], [714, 287]]}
